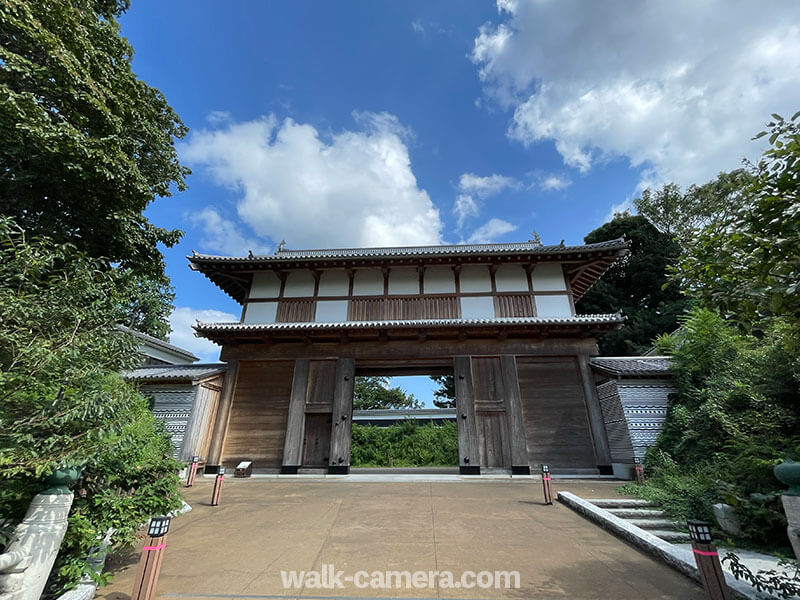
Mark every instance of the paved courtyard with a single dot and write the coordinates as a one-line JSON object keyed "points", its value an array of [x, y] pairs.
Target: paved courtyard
{"points": [[263, 526]]}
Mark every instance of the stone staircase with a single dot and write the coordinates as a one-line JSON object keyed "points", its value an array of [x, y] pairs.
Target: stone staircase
{"points": [[645, 515]]}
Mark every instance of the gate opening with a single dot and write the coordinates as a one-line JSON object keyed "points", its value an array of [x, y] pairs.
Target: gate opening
{"points": [[404, 423]]}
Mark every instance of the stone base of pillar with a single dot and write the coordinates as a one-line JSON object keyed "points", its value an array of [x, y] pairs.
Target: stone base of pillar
{"points": [[791, 506]]}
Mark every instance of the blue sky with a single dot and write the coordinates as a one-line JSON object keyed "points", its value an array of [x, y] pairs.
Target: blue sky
{"points": [[387, 123]]}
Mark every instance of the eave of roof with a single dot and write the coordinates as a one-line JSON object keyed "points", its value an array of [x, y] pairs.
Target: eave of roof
{"points": [[158, 343], [407, 329], [632, 366], [175, 373], [232, 274]]}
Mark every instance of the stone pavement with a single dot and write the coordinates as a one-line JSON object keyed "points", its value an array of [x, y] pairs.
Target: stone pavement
{"points": [[237, 549]]}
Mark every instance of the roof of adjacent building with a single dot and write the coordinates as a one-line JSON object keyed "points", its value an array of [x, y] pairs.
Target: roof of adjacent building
{"points": [[635, 366], [149, 340], [399, 414], [220, 332], [232, 274], [175, 373]]}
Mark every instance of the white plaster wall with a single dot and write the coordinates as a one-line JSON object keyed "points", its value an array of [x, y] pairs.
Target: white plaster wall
{"points": [[478, 307], [334, 283], [261, 312], [511, 278], [553, 306], [439, 280], [299, 284], [331, 311], [404, 281], [266, 284], [368, 282], [548, 277], [475, 278]]}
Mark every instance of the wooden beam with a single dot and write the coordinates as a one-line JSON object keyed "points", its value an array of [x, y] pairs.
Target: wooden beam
{"points": [[516, 425], [223, 414], [602, 449], [342, 417], [296, 418], [469, 460]]}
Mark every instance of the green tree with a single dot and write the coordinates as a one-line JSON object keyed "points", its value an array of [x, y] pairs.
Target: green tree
{"points": [[374, 393], [638, 286], [85, 145], [748, 263], [445, 395], [63, 400]]}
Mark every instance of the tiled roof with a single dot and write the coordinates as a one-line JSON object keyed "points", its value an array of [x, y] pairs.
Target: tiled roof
{"points": [[392, 252], [175, 373], [154, 341], [632, 365], [427, 323]]}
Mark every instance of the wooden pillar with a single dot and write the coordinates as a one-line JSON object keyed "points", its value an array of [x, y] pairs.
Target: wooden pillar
{"points": [[342, 416], [223, 416], [296, 419], [602, 450], [468, 456], [516, 427]]}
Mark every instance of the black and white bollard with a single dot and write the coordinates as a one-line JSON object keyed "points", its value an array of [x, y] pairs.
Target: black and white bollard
{"points": [[548, 493], [707, 559], [144, 587], [217, 491], [192, 471]]}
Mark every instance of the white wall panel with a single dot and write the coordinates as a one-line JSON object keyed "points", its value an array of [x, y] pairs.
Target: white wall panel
{"points": [[548, 277], [553, 306], [477, 307], [299, 284], [331, 311], [511, 278], [266, 284], [334, 283], [439, 280], [261, 312], [404, 281], [475, 278], [368, 282]]}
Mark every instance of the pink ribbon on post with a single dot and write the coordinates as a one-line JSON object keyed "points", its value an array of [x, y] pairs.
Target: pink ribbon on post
{"points": [[700, 552], [159, 547]]}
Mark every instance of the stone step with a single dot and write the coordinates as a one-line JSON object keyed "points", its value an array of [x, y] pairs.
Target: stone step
{"points": [[664, 524], [637, 513], [622, 503], [670, 536]]}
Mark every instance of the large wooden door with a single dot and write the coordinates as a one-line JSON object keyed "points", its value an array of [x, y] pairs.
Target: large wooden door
{"points": [[317, 440], [490, 413]]}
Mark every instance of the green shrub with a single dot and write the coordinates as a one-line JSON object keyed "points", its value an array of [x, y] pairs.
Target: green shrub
{"points": [[405, 444]]}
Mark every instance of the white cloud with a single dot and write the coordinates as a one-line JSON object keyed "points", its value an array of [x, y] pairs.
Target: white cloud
{"points": [[417, 27], [355, 189], [554, 183], [490, 231], [181, 321], [223, 235], [678, 87], [622, 207], [474, 186], [484, 187]]}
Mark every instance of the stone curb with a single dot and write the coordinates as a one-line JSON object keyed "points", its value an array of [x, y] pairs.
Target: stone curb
{"points": [[680, 560]]}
